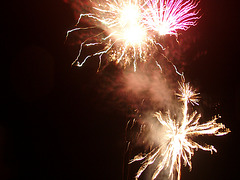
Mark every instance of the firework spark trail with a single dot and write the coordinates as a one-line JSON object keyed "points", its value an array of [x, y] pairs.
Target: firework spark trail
{"points": [[131, 28], [178, 146]]}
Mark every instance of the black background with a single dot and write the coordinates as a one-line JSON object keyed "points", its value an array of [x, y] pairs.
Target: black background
{"points": [[56, 122]]}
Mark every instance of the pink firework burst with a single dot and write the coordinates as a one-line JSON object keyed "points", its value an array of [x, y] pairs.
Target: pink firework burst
{"points": [[168, 16]]}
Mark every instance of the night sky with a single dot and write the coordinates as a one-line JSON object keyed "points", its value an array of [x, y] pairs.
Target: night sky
{"points": [[65, 123]]}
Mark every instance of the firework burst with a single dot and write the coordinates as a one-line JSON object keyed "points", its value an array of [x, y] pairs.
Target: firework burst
{"points": [[178, 147], [169, 16], [187, 94], [123, 38], [131, 28]]}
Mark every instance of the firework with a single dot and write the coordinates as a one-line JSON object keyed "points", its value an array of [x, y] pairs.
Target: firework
{"points": [[177, 146], [187, 94], [131, 28], [123, 38], [169, 16]]}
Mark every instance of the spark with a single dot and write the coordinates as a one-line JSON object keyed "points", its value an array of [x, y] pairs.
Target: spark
{"points": [[169, 16], [177, 146]]}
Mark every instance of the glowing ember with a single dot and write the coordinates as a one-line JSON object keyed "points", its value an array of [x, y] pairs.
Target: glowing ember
{"points": [[177, 145]]}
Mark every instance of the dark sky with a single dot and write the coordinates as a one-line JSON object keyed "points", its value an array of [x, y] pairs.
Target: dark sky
{"points": [[61, 122]]}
